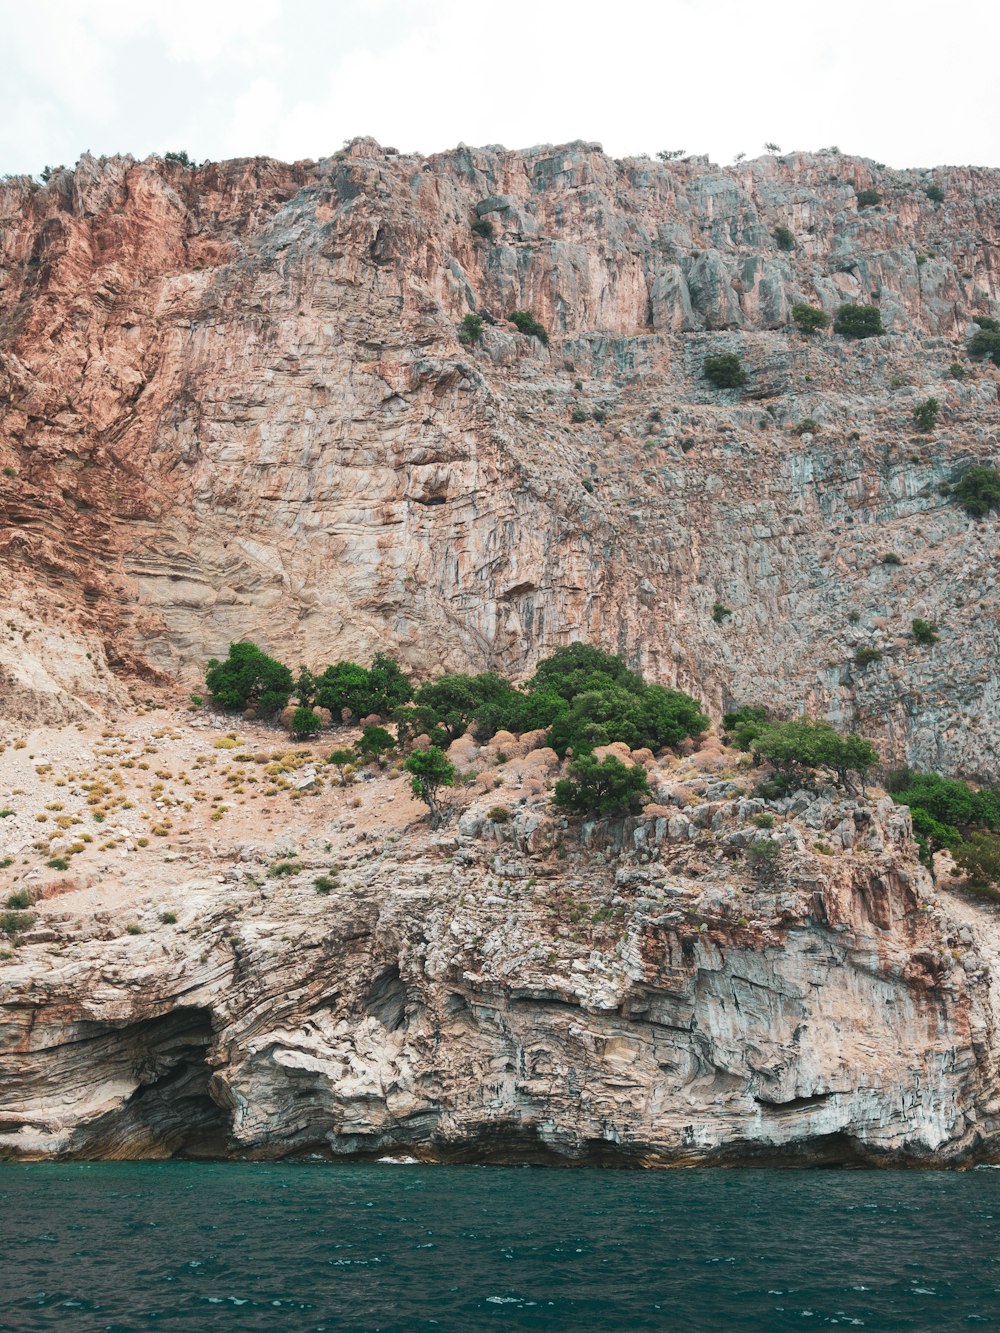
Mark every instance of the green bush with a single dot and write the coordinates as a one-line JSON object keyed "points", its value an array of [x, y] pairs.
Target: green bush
{"points": [[743, 725], [429, 771], [578, 415], [180, 159], [380, 689], [956, 370], [806, 745], [784, 238], [978, 490], [809, 318], [470, 330], [925, 414], [325, 884], [248, 678], [987, 323], [924, 632], [891, 558], [866, 656], [935, 194], [607, 789], [763, 858], [282, 869], [13, 923], [22, 898], [985, 345], [725, 371], [342, 760], [720, 612], [526, 322], [498, 814], [858, 321], [483, 227], [305, 722], [807, 427], [374, 743], [868, 198], [978, 856]]}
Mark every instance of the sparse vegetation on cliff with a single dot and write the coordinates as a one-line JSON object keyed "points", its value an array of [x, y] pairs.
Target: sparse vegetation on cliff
{"points": [[470, 330], [527, 324], [724, 371], [858, 321]]}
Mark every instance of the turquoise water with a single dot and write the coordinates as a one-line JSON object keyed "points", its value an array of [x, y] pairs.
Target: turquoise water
{"points": [[135, 1246]]}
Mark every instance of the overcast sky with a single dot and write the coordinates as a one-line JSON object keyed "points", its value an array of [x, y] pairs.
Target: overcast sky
{"points": [[906, 84]]}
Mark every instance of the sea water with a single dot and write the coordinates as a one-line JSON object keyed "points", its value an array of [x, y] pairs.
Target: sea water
{"points": [[136, 1246]]}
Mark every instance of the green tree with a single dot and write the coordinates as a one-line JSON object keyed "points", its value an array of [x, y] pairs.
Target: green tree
{"points": [[805, 744], [785, 238], [608, 789], [526, 323], [925, 414], [935, 194], [868, 198], [305, 687], [249, 678], [429, 771], [471, 330], [858, 321], [305, 722], [343, 762], [809, 318], [979, 857], [374, 743], [343, 685], [744, 725], [725, 371], [388, 687], [580, 666], [924, 632], [985, 345], [978, 490]]}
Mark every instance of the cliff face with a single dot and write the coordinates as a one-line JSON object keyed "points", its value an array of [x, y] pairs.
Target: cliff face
{"points": [[510, 990], [234, 404]]}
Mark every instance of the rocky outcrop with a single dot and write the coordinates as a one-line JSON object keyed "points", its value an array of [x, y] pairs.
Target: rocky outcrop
{"points": [[233, 404], [516, 989]]}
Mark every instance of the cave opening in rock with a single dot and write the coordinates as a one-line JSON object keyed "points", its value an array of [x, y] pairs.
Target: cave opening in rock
{"points": [[171, 1112]]}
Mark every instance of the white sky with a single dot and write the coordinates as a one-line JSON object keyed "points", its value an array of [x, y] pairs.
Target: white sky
{"points": [[907, 84]]}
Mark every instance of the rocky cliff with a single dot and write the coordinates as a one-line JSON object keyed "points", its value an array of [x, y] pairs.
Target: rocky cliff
{"points": [[315, 973], [234, 404]]}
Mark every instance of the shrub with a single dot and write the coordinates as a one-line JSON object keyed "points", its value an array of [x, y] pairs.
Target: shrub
{"points": [[249, 678], [380, 689], [858, 321], [985, 345], [868, 198], [609, 788], [978, 856], [935, 194], [804, 744], [498, 814], [807, 427], [58, 863], [342, 761], [180, 159], [987, 323], [282, 869], [578, 415], [650, 715], [956, 370], [526, 323], [429, 771], [10, 471], [455, 702], [941, 807], [305, 722], [22, 898], [784, 238], [470, 330], [978, 490], [866, 656], [13, 923], [168, 918], [374, 742], [891, 558], [483, 227], [324, 884], [720, 613], [923, 631], [743, 725], [763, 821], [763, 857], [925, 414], [725, 371], [809, 318]]}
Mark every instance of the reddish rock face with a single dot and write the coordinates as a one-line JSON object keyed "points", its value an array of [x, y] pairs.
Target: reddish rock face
{"points": [[234, 404]]}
